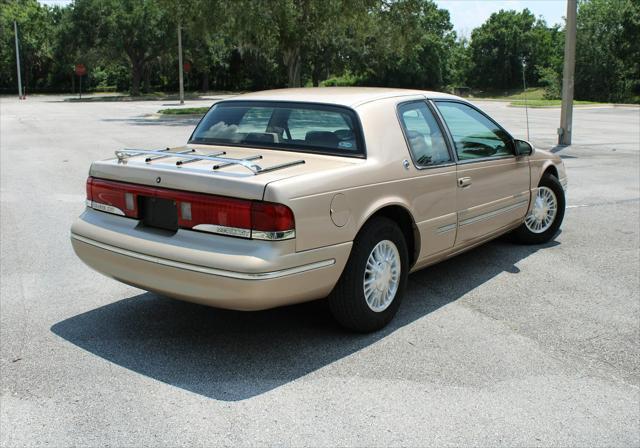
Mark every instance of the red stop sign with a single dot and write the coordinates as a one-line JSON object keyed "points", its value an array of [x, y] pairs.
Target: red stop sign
{"points": [[81, 70], [186, 67]]}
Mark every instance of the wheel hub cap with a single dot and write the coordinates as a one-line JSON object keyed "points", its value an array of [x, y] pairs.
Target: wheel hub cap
{"points": [[382, 276], [544, 210]]}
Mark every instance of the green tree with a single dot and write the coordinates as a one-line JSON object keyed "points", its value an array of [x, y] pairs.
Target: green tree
{"points": [[206, 37], [134, 30], [339, 40], [36, 25], [499, 46], [459, 66], [297, 33], [409, 45], [608, 50]]}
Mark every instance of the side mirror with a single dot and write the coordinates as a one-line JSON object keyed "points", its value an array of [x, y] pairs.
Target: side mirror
{"points": [[523, 148]]}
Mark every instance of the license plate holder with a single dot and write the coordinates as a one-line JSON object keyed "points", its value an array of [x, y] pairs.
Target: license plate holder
{"points": [[158, 212]]}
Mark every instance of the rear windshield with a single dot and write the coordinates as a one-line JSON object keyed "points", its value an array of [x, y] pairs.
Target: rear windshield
{"points": [[287, 126]]}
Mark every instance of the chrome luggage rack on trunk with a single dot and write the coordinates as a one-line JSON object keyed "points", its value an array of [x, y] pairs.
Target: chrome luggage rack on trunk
{"points": [[189, 155]]}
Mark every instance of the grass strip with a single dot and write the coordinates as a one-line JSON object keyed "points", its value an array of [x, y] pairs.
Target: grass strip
{"points": [[184, 111]]}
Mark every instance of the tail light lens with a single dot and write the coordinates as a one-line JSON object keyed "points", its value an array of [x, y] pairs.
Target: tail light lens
{"points": [[196, 211], [271, 221], [111, 197]]}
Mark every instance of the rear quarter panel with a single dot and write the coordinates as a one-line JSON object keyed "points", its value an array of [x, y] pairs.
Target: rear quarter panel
{"points": [[369, 185]]}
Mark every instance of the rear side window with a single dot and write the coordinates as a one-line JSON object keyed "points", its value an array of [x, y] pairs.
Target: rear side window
{"points": [[288, 126], [424, 136]]}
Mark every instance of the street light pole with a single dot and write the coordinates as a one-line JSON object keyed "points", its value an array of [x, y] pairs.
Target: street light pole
{"points": [[181, 76], [566, 114], [15, 29]]}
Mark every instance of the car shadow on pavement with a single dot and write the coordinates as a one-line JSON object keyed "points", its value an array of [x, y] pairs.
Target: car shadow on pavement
{"points": [[231, 356]]}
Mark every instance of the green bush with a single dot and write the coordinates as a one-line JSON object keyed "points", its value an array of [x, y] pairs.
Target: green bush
{"points": [[551, 81], [184, 111], [98, 78], [346, 80]]}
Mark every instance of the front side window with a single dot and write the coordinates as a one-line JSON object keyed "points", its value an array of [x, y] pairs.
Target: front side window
{"points": [[474, 135], [425, 138], [288, 126]]}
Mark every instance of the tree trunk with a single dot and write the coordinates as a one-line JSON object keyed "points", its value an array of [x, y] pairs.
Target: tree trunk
{"points": [[146, 88], [136, 75], [315, 76], [293, 63], [205, 82]]}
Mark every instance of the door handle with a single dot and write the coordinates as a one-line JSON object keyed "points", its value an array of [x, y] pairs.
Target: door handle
{"points": [[464, 182]]}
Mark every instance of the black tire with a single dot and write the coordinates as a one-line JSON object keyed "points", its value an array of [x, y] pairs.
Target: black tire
{"points": [[347, 300], [523, 235]]}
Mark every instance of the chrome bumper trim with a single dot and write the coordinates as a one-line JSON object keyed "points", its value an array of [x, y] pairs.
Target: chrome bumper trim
{"points": [[223, 230], [246, 233], [205, 270]]}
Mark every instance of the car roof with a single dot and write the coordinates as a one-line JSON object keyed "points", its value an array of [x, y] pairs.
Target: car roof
{"points": [[344, 96]]}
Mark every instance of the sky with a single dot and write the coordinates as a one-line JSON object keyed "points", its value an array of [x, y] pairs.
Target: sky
{"points": [[469, 14]]}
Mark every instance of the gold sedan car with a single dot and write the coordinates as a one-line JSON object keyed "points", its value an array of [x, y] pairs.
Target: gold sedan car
{"points": [[292, 195]]}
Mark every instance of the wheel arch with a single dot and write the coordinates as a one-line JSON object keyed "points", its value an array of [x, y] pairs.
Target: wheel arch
{"points": [[399, 213], [539, 168], [550, 168]]}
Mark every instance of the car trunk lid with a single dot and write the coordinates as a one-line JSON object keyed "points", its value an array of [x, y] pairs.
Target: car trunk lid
{"points": [[176, 168]]}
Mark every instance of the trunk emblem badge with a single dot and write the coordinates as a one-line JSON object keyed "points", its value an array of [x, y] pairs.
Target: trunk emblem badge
{"points": [[158, 179]]}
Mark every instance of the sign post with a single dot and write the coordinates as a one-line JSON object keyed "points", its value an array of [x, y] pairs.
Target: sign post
{"points": [[81, 70]]}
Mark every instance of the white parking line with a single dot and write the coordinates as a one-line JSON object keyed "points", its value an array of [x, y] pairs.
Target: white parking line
{"points": [[621, 201]]}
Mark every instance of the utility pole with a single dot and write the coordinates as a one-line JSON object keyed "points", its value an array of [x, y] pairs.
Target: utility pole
{"points": [[15, 29], [181, 76], [566, 114]]}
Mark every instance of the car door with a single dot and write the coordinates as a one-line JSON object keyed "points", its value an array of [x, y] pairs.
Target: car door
{"points": [[493, 183], [434, 187]]}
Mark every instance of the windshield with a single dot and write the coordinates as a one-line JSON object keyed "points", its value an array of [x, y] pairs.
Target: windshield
{"points": [[287, 126]]}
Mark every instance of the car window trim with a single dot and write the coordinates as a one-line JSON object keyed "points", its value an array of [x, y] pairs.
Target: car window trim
{"points": [[480, 159], [485, 159], [442, 130], [361, 154], [451, 144]]}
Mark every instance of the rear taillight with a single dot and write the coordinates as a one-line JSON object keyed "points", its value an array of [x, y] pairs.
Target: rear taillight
{"points": [[196, 211], [112, 197], [271, 221]]}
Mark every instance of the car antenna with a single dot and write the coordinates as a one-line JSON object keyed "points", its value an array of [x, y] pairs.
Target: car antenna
{"points": [[524, 93]]}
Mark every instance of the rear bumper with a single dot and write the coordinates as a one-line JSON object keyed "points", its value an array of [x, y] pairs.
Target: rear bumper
{"points": [[213, 270]]}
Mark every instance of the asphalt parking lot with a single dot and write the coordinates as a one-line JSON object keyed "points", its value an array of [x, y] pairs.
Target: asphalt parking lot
{"points": [[505, 345]]}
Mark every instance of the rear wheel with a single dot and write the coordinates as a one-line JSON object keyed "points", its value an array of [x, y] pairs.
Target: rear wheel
{"points": [[545, 217], [372, 285]]}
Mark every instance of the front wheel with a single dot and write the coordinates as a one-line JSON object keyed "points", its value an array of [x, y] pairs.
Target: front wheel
{"points": [[372, 285], [545, 217]]}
